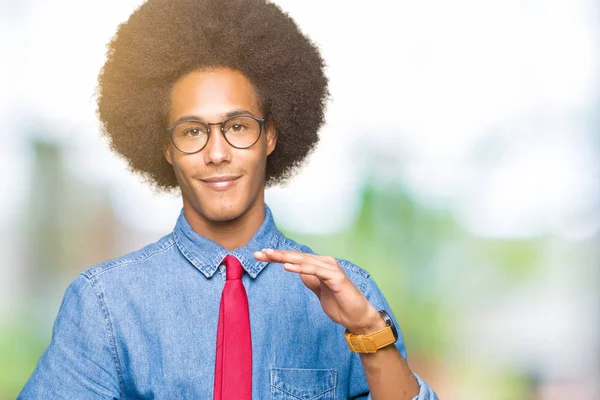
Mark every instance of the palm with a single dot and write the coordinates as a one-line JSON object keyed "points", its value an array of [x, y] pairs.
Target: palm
{"points": [[339, 298]]}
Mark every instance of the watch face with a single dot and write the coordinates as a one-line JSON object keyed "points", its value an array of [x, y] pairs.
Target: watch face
{"points": [[388, 321]]}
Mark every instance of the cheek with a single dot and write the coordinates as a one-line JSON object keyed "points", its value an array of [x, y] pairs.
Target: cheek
{"points": [[259, 161], [183, 166]]}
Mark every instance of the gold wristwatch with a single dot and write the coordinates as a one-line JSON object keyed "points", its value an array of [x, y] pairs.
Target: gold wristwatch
{"points": [[374, 341]]}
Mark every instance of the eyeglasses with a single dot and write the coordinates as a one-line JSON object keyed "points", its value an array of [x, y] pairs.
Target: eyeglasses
{"points": [[240, 131]]}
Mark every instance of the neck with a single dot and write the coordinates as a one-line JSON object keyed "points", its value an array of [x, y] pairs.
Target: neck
{"points": [[230, 234]]}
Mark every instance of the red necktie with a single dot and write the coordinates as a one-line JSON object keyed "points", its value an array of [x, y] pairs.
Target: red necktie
{"points": [[233, 367]]}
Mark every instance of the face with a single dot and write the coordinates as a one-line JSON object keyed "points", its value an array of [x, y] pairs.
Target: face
{"points": [[220, 182]]}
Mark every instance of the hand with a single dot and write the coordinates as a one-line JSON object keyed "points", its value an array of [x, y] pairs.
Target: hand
{"points": [[340, 299]]}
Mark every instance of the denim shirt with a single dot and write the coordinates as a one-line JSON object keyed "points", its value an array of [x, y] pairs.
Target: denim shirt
{"points": [[145, 326]]}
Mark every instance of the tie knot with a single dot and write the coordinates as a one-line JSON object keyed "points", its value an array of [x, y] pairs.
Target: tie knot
{"points": [[233, 267]]}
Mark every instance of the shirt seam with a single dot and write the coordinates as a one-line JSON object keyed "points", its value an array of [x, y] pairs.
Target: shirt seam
{"points": [[290, 243], [364, 275], [332, 388], [109, 331], [303, 398], [91, 273], [363, 284], [193, 260]]}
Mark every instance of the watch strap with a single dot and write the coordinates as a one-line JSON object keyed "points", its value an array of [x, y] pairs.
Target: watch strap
{"points": [[370, 343]]}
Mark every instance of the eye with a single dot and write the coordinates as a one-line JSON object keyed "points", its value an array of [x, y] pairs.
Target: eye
{"points": [[190, 129], [241, 124], [236, 127], [193, 132]]}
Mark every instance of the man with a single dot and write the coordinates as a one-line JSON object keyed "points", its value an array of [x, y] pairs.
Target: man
{"points": [[218, 99]]}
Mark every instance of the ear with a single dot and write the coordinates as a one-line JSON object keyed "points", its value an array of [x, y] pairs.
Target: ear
{"points": [[167, 150], [271, 134]]}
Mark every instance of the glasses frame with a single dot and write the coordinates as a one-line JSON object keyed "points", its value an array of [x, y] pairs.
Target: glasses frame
{"points": [[261, 124]]}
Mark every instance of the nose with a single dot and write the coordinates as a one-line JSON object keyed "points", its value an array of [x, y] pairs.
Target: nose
{"points": [[217, 149]]}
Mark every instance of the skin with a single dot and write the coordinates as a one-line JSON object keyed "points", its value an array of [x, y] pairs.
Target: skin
{"points": [[231, 217]]}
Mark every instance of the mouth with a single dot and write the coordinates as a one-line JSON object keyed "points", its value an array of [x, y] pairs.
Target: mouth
{"points": [[220, 183]]}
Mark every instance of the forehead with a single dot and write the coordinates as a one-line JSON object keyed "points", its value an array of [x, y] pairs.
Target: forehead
{"points": [[212, 93]]}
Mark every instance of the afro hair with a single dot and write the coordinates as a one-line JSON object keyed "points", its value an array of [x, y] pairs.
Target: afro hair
{"points": [[165, 39]]}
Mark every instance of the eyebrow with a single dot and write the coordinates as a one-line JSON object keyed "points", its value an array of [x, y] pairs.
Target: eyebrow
{"points": [[225, 116]]}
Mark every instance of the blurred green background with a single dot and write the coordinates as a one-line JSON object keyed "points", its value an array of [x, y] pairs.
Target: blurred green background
{"points": [[462, 171]]}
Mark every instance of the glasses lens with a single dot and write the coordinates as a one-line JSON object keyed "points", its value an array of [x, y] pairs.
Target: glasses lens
{"points": [[190, 136], [241, 131]]}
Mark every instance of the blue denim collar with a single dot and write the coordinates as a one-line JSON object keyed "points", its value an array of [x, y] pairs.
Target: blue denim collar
{"points": [[207, 255]]}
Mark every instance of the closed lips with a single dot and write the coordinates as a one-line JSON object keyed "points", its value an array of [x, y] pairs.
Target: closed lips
{"points": [[220, 179]]}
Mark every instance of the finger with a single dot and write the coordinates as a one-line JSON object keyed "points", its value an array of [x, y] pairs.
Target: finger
{"points": [[296, 257], [330, 262], [323, 274], [283, 256], [261, 256]]}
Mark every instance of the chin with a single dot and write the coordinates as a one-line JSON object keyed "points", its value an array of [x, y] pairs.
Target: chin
{"points": [[222, 212], [220, 207]]}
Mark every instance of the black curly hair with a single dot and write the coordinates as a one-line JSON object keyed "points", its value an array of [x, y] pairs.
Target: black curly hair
{"points": [[165, 39]]}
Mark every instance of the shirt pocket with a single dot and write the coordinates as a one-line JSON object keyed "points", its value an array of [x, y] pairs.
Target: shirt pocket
{"points": [[304, 384]]}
